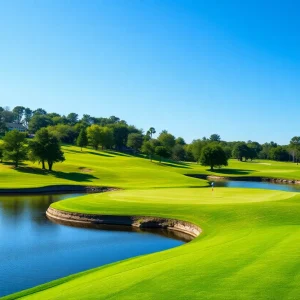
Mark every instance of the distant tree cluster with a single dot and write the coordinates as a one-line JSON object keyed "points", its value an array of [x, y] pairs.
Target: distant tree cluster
{"points": [[45, 147], [114, 133]]}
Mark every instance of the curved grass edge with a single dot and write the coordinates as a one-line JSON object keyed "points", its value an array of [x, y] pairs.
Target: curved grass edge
{"points": [[57, 189], [74, 218]]}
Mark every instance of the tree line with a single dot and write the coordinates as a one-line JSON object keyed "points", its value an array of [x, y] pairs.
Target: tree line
{"points": [[114, 133]]}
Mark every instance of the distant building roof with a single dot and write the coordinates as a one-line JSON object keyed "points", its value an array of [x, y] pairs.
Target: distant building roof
{"points": [[17, 126]]}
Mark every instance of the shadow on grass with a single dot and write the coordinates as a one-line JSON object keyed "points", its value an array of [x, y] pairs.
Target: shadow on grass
{"points": [[231, 171], [115, 153], [99, 154], [72, 176], [172, 165]]}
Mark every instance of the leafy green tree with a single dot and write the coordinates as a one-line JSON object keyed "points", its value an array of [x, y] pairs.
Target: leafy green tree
{"points": [[3, 128], [87, 120], [279, 154], [178, 152], [215, 138], [135, 141], [72, 118], [107, 137], [120, 133], [65, 133], [39, 111], [7, 116], [18, 112], [180, 141], [82, 140], [295, 146], [255, 147], [162, 152], [39, 121], [14, 147], [148, 148], [45, 147], [213, 155], [1, 152], [27, 116], [196, 148], [94, 136], [240, 151], [167, 140]]}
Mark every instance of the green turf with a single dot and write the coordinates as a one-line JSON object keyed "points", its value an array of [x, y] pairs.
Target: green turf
{"points": [[249, 248]]}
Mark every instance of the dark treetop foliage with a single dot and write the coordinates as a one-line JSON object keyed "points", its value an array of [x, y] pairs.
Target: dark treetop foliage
{"points": [[14, 148], [82, 140], [46, 148], [213, 155]]}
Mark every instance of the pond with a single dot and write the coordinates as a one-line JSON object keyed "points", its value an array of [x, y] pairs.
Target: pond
{"points": [[34, 250], [257, 185]]}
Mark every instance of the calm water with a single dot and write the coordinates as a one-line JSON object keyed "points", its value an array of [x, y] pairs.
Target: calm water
{"points": [[33, 250], [258, 185]]}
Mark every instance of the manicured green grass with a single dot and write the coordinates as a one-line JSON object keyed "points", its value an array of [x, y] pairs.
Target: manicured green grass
{"points": [[249, 248]]}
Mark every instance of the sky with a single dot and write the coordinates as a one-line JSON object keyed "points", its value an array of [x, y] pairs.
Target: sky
{"points": [[193, 68]]}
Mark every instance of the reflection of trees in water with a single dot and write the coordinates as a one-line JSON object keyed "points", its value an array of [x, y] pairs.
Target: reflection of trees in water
{"points": [[11, 207], [32, 207]]}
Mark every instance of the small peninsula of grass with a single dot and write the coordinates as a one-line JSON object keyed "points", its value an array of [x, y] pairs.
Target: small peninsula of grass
{"points": [[248, 248]]}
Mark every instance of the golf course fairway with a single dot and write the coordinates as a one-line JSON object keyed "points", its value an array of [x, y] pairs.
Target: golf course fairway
{"points": [[249, 247]]}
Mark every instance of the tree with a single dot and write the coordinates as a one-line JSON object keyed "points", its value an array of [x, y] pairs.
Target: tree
{"points": [[178, 152], [39, 121], [65, 133], [1, 152], [14, 148], [82, 140], [40, 111], [279, 154], [148, 148], [213, 155], [27, 116], [45, 147], [215, 138], [151, 131], [256, 147], [7, 116], [120, 133], [135, 141], [162, 152], [240, 151], [167, 140], [94, 136], [18, 112], [196, 148], [107, 137], [180, 141], [72, 118], [295, 146]]}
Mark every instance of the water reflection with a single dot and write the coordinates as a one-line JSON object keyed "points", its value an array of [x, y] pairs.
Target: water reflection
{"points": [[35, 250], [257, 185]]}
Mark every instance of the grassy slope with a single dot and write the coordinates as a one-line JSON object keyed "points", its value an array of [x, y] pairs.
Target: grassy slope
{"points": [[249, 248], [114, 169]]}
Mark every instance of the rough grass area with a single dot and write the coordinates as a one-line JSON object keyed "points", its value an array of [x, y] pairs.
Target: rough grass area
{"points": [[249, 248]]}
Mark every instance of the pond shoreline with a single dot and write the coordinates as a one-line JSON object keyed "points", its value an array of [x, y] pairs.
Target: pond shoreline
{"points": [[74, 218], [56, 189], [245, 178]]}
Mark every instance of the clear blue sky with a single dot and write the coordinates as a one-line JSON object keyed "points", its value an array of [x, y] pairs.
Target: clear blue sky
{"points": [[191, 67]]}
